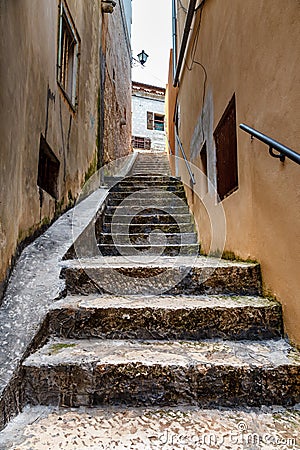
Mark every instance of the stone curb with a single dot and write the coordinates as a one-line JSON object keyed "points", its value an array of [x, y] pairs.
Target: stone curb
{"points": [[34, 285]]}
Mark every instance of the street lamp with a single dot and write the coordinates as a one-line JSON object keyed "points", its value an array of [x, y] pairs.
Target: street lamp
{"points": [[142, 57]]}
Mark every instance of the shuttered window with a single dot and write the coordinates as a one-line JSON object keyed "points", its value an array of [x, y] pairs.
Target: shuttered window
{"points": [[150, 120], [48, 170], [155, 121], [159, 122], [141, 142], [226, 152], [68, 56]]}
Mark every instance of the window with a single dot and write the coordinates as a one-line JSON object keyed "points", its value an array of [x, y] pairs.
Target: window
{"points": [[68, 56], [226, 152], [155, 121], [159, 122], [48, 169], [141, 142], [150, 120]]}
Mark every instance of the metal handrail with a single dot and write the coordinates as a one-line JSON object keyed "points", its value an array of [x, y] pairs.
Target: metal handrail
{"points": [[169, 145], [193, 181], [273, 145]]}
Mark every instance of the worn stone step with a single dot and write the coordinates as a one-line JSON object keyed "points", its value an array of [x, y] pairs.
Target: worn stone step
{"points": [[148, 228], [166, 317], [150, 164], [148, 249], [153, 170], [152, 180], [146, 184], [206, 373], [144, 194], [148, 218], [151, 209], [143, 238], [160, 202], [142, 188], [144, 178], [151, 275]]}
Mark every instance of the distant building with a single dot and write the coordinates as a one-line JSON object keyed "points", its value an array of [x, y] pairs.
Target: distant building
{"points": [[148, 117]]}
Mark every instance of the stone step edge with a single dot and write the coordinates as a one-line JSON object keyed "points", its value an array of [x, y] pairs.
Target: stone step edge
{"points": [[159, 224], [143, 238], [138, 207], [216, 372], [188, 234], [208, 301], [163, 214], [184, 274], [166, 317], [266, 353], [166, 245]]}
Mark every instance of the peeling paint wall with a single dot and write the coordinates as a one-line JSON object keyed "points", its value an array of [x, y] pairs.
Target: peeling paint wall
{"points": [[249, 48], [33, 104]]}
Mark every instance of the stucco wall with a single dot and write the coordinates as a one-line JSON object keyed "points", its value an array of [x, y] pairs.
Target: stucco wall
{"points": [[142, 102], [117, 84], [250, 48]]}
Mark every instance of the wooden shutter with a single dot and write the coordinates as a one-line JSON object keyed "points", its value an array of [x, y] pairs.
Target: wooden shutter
{"points": [[226, 152], [150, 120]]}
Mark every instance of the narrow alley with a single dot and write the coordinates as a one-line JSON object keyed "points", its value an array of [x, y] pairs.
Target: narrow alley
{"points": [[155, 346], [149, 225]]}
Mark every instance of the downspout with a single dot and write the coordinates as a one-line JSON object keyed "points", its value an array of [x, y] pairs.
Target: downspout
{"points": [[187, 28], [174, 36]]}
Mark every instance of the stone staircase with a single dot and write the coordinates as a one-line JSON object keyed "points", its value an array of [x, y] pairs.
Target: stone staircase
{"points": [[147, 215], [142, 325]]}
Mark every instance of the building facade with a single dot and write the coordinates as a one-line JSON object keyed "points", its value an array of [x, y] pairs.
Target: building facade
{"points": [[56, 120], [116, 82], [148, 117], [237, 62]]}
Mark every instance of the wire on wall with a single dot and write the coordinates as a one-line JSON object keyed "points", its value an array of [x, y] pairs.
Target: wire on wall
{"points": [[194, 61], [182, 7]]}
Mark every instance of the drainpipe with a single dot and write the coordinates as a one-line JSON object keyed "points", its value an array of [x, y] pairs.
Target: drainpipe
{"points": [[186, 32], [174, 36]]}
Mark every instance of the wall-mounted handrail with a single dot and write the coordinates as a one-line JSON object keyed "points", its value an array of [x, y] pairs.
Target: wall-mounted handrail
{"points": [[193, 181], [169, 145], [273, 145]]}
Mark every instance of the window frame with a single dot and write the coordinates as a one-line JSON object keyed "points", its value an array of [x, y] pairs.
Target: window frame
{"points": [[157, 121], [63, 76], [141, 142], [225, 137]]}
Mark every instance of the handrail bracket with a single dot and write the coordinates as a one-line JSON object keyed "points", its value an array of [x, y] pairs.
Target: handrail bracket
{"points": [[281, 156], [283, 150]]}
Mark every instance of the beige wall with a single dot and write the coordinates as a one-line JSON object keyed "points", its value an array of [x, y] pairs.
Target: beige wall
{"points": [[251, 48], [28, 53], [170, 104]]}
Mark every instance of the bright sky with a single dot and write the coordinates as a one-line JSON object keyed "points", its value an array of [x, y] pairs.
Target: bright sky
{"points": [[152, 32]]}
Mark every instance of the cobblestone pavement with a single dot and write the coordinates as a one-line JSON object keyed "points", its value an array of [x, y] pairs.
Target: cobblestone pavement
{"points": [[185, 428]]}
